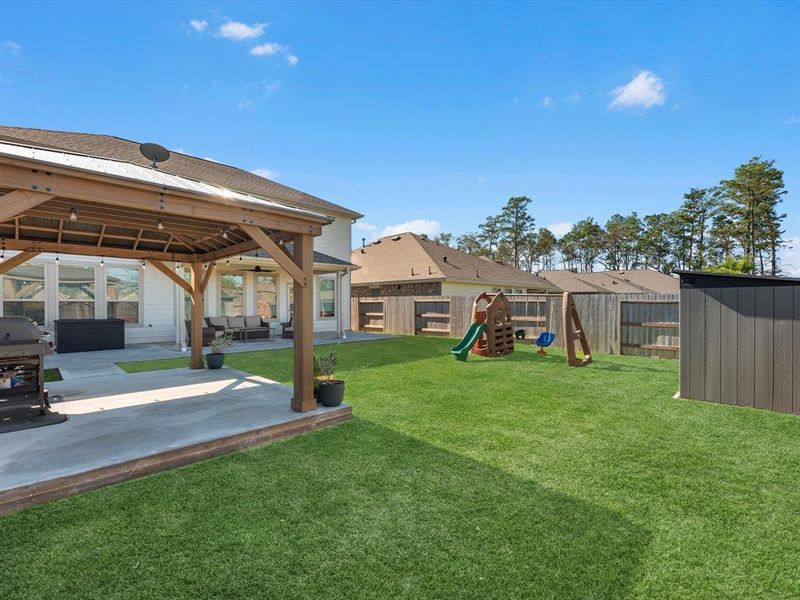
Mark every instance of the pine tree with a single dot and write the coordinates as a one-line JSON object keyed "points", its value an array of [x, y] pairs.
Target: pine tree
{"points": [[515, 225]]}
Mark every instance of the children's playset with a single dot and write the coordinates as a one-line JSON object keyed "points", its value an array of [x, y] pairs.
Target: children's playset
{"points": [[492, 333]]}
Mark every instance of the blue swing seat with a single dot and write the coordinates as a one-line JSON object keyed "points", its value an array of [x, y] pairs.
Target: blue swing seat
{"points": [[544, 340]]}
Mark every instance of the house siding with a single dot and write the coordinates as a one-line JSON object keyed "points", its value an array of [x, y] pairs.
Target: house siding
{"points": [[422, 288]]}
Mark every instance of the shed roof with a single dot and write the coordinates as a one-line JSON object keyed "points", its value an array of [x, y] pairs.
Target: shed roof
{"points": [[629, 281], [408, 257], [120, 149], [708, 279]]}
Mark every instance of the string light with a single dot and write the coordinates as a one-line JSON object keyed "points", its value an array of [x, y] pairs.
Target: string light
{"points": [[160, 224], [56, 256], [144, 264], [102, 262], [73, 214], [225, 233]]}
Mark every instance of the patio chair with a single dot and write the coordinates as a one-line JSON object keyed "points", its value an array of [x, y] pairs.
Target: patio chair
{"points": [[209, 333], [287, 331]]}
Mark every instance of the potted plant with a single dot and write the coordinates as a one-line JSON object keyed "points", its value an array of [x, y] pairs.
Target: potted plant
{"points": [[216, 358], [330, 391]]}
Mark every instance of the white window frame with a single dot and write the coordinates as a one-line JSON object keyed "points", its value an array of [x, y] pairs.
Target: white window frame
{"points": [[241, 274], [140, 295], [99, 307], [46, 308], [320, 279], [276, 281]]}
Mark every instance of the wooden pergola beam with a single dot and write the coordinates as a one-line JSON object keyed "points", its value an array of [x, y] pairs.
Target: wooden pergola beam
{"points": [[15, 261], [17, 202], [25, 175], [207, 277], [278, 254], [247, 246], [93, 250], [171, 274]]}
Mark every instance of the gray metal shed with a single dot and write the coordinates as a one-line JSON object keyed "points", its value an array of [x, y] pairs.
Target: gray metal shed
{"points": [[740, 340]]}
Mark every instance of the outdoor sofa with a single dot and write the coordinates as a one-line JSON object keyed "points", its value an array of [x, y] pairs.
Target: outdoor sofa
{"points": [[241, 328]]}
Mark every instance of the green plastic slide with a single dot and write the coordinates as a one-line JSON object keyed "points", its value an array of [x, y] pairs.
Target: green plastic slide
{"points": [[462, 348]]}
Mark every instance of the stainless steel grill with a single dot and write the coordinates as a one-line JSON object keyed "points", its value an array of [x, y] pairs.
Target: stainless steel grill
{"points": [[22, 351]]}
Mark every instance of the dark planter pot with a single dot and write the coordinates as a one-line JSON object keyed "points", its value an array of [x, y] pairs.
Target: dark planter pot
{"points": [[331, 393], [215, 360]]}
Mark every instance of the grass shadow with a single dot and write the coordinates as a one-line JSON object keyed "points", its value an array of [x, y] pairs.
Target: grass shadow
{"points": [[311, 517]]}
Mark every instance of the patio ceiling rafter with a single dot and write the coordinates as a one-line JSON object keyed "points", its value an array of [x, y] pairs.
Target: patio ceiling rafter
{"points": [[53, 201]]}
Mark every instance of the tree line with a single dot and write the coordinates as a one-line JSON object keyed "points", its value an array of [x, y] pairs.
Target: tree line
{"points": [[734, 226]]}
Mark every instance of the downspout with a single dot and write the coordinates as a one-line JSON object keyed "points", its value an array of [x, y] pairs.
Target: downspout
{"points": [[341, 303]]}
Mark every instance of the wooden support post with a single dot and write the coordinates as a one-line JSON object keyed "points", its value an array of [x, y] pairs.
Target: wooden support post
{"points": [[196, 361], [573, 329], [303, 256]]}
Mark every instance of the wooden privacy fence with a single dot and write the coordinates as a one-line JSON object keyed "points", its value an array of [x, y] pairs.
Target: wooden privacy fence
{"points": [[640, 324]]}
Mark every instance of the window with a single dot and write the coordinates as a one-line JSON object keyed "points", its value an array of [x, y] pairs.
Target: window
{"points": [[231, 295], [326, 297], [76, 292], [266, 296], [290, 296], [23, 292], [122, 293]]}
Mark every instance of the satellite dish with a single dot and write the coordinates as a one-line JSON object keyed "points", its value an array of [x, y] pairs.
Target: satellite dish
{"points": [[154, 153]]}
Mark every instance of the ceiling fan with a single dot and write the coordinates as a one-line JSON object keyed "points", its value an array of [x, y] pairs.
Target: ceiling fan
{"points": [[257, 269]]}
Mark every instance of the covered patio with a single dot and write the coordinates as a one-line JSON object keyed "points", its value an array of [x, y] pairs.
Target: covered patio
{"points": [[124, 426], [65, 203]]}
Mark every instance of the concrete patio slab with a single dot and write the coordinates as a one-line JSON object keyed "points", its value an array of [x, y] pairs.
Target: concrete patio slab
{"points": [[124, 426], [97, 364]]}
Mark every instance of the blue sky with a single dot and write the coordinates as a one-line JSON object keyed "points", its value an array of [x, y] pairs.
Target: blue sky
{"points": [[429, 113]]}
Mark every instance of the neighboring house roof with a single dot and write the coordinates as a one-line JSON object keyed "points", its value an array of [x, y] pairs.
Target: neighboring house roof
{"points": [[108, 146], [408, 257], [630, 281]]}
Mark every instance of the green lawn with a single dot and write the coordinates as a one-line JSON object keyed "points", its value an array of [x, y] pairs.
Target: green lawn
{"points": [[502, 478]]}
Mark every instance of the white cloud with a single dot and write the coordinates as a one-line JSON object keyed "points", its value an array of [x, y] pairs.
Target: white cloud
{"points": [[576, 97], [481, 180], [547, 101], [242, 104], [268, 49], [418, 226], [274, 49], [515, 101], [646, 90], [198, 24], [11, 47], [790, 258], [267, 173], [268, 86], [560, 228], [793, 120], [236, 30]]}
